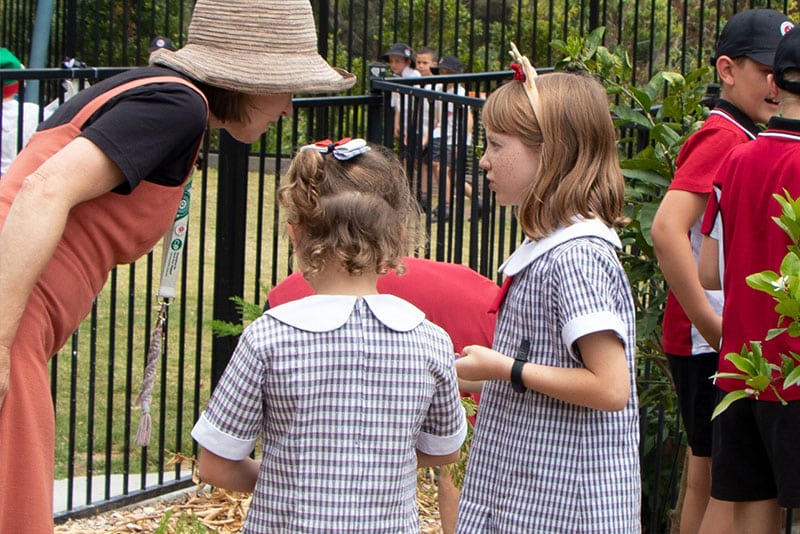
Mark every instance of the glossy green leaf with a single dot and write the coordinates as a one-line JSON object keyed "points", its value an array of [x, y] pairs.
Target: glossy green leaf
{"points": [[774, 332], [758, 383], [792, 378], [741, 363]]}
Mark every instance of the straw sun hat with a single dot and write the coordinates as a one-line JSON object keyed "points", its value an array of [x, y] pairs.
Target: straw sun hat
{"points": [[255, 47]]}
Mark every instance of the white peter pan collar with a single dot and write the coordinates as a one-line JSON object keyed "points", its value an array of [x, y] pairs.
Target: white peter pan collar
{"points": [[529, 250], [323, 313]]}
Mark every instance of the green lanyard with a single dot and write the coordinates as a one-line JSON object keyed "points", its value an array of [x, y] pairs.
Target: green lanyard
{"points": [[171, 253]]}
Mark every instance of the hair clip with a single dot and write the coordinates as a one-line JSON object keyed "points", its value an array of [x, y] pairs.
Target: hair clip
{"points": [[525, 73], [343, 149]]}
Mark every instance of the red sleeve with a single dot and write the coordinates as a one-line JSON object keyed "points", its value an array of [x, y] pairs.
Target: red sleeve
{"points": [[701, 157], [713, 206]]}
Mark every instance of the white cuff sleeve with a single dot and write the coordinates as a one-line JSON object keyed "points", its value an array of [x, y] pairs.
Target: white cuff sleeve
{"points": [[442, 445], [589, 324], [221, 444]]}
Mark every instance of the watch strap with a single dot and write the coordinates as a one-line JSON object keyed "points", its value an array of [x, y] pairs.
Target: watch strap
{"points": [[519, 362]]}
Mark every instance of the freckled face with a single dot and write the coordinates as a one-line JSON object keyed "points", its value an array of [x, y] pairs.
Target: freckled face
{"points": [[264, 110], [510, 167]]}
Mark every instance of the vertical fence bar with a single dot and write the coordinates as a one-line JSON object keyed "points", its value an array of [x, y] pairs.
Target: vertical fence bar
{"points": [[110, 385], [230, 244], [200, 350], [90, 404]]}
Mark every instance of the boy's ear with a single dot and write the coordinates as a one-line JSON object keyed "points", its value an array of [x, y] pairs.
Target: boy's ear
{"points": [[725, 67], [773, 87]]}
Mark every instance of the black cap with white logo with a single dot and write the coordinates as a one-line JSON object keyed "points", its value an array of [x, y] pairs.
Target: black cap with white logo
{"points": [[754, 33]]}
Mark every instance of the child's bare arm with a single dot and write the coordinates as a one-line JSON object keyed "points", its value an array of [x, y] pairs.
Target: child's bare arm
{"points": [[428, 460], [603, 384], [678, 212], [469, 386], [708, 266], [234, 475], [397, 123]]}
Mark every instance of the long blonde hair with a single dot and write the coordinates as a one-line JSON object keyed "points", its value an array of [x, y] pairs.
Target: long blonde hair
{"points": [[579, 173], [358, 213]]}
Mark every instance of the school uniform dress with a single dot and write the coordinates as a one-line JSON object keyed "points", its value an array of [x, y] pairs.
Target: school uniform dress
{"points": [[115, 228], [341, 391], [538, 464]]}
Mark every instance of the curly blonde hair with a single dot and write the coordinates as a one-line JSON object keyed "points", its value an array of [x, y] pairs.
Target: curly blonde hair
{"points": [[358, 213], [579, 174]]}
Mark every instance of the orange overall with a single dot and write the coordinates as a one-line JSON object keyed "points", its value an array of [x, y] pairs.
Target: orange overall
{"points": [[101, 233]]}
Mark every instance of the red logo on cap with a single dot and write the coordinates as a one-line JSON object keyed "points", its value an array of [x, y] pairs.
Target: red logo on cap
{"points": [[786, 26]]}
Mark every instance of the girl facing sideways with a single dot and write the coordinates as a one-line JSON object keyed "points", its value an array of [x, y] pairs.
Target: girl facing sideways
{"points": [[555, 447], [348, 391]]}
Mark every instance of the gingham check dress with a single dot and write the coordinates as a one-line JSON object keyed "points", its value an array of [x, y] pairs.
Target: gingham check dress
{"points": [[341, 390], [537, 464]]}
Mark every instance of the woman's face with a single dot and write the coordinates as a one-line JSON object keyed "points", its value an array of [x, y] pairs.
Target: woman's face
{"points": [[264, 110], [510, 167]]}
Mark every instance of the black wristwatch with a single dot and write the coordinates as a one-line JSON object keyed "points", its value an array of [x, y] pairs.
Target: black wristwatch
{"points": [[516, 369]]}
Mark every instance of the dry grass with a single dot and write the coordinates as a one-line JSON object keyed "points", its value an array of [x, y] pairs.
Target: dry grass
{"points": [[205, 509]]}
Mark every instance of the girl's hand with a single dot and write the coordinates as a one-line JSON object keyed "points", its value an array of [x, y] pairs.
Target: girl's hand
{"points": [[483, 363]]}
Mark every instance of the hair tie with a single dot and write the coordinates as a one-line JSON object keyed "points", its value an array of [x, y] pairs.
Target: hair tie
{"points": [[525, 73], [343, 149], [519, 73]]}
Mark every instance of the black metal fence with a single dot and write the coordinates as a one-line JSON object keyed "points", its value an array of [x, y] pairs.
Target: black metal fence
{"points": [[658, 35]]}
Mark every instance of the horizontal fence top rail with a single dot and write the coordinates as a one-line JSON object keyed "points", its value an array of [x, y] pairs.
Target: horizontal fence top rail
{"points": [[86, 73]]}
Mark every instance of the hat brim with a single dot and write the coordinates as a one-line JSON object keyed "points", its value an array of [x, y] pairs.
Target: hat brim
{"points": [[255, 73], [765, 58]]}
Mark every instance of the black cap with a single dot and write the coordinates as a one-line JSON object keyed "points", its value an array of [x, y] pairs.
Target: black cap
{"points": [[754, 33], [787, 57], [160, 42], [451, 63], [402, 50]]}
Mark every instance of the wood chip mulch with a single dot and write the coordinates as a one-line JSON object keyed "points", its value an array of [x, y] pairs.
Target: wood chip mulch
{"points": [[207, 509]]}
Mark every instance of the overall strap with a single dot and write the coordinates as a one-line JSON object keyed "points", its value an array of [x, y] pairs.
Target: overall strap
{"points": [[100, 100]]}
